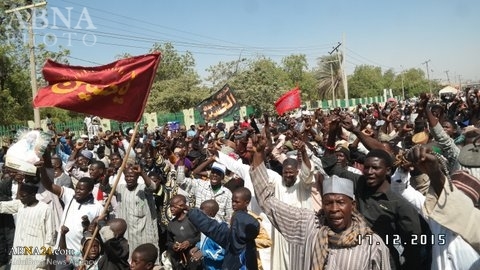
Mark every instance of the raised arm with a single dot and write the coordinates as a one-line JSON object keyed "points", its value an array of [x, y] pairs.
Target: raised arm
{"points": [[78, 146], [235, 166], [148, 182], [306, 171], [218, 231], [291, 222], [369, 142], [200, 168], [449, 148], [46, 176]]}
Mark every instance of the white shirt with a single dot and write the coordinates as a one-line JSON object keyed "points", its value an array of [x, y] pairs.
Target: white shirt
{"points": [[456, 253], [72, 217]]}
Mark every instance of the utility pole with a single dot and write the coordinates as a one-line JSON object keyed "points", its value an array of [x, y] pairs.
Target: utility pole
{"points": [[31, 46], [345, 81], [335, 48], [448, 77], [341, 63], [428, 75], [334, 100]]}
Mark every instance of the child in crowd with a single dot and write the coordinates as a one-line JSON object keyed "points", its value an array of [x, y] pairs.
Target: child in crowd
{"points": [[94, 254], [116, 246], [144, 257], [211, 252], [238, 240], [92, 261], [182, 236]]}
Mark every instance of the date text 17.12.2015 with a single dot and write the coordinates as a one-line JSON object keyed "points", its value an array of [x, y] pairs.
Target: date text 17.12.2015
{"points": [[395, 239]]}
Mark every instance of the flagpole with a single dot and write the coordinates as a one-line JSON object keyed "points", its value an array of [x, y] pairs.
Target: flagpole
{"points": [[112, 192]]}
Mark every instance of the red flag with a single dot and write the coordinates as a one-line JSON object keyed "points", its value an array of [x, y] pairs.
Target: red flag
{"points": [[117, 91], [289, 101]]}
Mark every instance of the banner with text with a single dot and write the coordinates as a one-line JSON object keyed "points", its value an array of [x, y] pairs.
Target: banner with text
{"points": [[219, 105]]}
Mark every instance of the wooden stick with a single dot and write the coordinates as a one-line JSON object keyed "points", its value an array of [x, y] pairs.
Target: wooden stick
{"points": [[112, 192]]}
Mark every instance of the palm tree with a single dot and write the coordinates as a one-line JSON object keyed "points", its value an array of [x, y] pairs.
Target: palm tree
{"points": [[329, 77]]}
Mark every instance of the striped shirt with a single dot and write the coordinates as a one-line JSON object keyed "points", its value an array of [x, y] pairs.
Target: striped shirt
{"points": [[137, 208], [34, 228], [298, 226], [202, 190]]}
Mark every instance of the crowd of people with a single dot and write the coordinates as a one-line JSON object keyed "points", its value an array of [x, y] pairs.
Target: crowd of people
{"points": [[380, 186]]}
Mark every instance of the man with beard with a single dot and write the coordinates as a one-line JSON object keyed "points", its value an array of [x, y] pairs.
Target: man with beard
{"points": [[136, 206], [337, 237], [78, 202], [294, 188]]}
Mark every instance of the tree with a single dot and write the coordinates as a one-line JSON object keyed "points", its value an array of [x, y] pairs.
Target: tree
{"points": [[176, 85], [295, 66], [173, 64], [415, 82], [15, 88], [366, 81], [388, 79], [225, 72], [261, 84], [329, 77]]}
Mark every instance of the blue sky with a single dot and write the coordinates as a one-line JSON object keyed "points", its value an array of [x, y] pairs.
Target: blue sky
{"points": [[390, 34]]}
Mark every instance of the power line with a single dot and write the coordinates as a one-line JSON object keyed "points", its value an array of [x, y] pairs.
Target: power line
{"points": [[238, 45], [151, 24], [132, 46], [314, 48], [87, 61], [368, 60], [151, 41], [179, 43]]}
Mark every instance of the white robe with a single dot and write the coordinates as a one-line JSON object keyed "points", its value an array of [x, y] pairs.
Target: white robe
{"points": [[298, 195]]}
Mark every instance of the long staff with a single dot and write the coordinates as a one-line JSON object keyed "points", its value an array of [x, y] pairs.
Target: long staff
{"points": [[112, 192]]}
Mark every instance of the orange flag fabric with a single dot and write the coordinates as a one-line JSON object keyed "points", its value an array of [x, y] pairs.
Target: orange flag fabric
{"points": [[289, 101], [117, 91]]}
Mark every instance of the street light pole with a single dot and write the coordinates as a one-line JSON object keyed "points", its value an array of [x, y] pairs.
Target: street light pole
{"points": [[31, 45]]}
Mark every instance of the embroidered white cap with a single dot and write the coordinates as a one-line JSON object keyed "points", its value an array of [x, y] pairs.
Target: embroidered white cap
{"points": [[338, 185]]}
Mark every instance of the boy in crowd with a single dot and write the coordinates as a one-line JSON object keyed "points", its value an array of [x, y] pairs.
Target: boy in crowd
{"points": [[116, 248], [182, 235], [239, 239], [211, 252], [144, 257]]}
